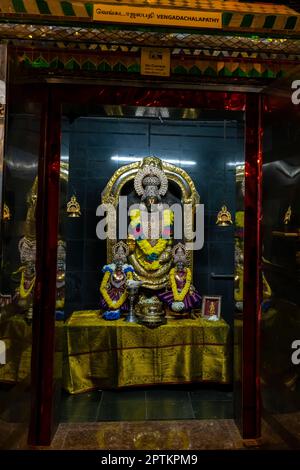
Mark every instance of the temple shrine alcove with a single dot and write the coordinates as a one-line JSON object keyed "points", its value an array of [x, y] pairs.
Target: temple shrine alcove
{"points": [[159, 167]]}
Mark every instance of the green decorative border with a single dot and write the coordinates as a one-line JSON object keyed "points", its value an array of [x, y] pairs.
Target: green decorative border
{"points": [[243, 16], [122, 63]]}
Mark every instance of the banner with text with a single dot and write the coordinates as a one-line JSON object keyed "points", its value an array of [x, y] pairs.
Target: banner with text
{"points": [[156, 16]]}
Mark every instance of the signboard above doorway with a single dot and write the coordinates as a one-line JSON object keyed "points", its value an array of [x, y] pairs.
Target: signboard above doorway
{"points": [[147, 15]]}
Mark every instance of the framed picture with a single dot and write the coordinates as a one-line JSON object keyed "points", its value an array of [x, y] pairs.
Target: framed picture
{"points": [[211, 306]]}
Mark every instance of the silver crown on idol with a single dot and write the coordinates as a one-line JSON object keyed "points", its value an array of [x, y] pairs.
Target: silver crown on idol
{"points": [[27, 250], [151, 180], [179, 253], [120, 252]]}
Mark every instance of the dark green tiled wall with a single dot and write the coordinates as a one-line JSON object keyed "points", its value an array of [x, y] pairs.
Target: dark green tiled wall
{"points": [[214, 146]]}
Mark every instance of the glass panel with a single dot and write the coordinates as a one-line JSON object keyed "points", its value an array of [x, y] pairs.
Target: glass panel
{"points": [[238, 287], [18, 268], [281, 282], [209, 147]]}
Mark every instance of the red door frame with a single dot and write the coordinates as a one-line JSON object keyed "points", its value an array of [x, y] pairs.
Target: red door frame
{"points": [[43, 424], [43, 421], [251, 397]]}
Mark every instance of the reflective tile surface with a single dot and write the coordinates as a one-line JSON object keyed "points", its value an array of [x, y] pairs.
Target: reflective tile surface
{"points": [[168, 403]]}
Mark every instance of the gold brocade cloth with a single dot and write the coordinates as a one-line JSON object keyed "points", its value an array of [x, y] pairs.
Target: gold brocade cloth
{"points": [[111, 354], [17, 336]]}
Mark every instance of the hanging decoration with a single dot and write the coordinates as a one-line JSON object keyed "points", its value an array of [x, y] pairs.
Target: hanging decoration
{"points": [[224, 217], [73, 207], [6, 212]]}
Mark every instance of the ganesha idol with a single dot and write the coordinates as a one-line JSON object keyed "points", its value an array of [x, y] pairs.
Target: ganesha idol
{"points": [[113, 288], [180, 295]]}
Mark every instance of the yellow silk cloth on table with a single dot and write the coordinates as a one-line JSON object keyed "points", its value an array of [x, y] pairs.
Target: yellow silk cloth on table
{"points": [[17, 336], [109, 354]]}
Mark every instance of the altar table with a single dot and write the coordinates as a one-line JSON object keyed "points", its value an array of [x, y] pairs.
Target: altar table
{"points": [[110, 354]]}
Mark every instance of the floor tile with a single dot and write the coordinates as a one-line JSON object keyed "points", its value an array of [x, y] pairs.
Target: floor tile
{"points": [[73, 418], [169, 409], [123, 395], [162, 395], [151, 404], [80, 408], [204, 409], [119, 410], [86, 413], [93, 396], [212, 395]]}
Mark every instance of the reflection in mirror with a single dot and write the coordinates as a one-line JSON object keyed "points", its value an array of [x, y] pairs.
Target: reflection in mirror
{"points": [[280, 376], [17, 279]]}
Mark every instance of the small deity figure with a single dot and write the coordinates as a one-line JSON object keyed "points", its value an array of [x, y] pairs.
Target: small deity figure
{"points": [[24, 293], [212, 309], [60, 275], [212, 314], [183, 296], [113, 285]]}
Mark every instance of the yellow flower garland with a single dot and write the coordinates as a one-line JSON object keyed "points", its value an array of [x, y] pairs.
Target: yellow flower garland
{"points": [[60, 303], [145, 246], [179, 296], [152, 266], [113, 304], [157, 249], [25, 293]]}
